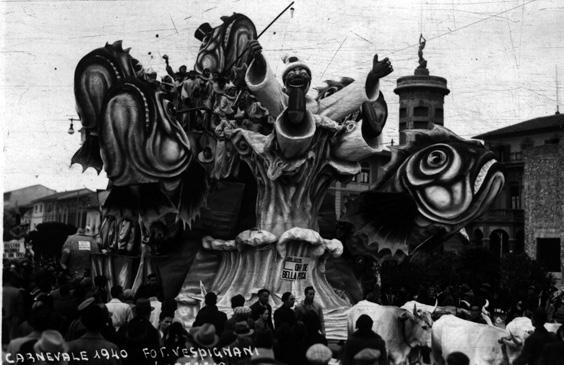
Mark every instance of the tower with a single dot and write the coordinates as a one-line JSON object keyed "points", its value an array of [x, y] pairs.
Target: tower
{"points": [[421, 97]]}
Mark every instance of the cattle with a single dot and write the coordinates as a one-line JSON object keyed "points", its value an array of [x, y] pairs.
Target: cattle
{"points": [[483, 344], [401, 329], [552, 327], [435, 310]]}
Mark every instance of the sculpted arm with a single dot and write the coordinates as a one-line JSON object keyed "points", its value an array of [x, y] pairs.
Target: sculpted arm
{"points": [[350, 98], [263, 84]]}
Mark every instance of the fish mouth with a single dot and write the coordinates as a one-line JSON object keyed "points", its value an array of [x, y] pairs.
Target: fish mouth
{"points": [[481, 176], [488, 182]]}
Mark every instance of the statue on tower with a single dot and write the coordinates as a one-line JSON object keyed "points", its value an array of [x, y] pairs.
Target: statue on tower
{"points": [[422, 68]]}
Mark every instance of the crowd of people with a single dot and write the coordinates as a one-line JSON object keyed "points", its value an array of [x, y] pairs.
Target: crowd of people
{"points": [[46, 313], [49, 311]]}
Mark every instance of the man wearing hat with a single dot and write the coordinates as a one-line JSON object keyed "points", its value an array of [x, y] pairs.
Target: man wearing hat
{"points": [[93, 318], [318, 354], [140, 334], [211, 314], [52, 342], [364, 338], [367, 357]]}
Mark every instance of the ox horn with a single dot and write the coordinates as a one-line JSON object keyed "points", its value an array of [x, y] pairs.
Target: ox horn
{"points": [[436, 305]]}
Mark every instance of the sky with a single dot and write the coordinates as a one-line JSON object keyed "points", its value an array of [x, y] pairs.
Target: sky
{"points": [[500, 58]]}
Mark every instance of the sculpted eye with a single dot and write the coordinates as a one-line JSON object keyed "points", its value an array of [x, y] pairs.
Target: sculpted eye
{"points": [[436, 159], [330, 91]]}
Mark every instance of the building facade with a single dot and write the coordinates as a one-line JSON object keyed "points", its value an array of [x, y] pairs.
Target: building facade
{"points": [[79, 208], [20, 203], [528, 214]]}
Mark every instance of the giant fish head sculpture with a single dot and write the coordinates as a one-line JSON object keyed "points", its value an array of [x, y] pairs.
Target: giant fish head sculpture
{"points": [[452, 181], [432, 187], [225, 46]]}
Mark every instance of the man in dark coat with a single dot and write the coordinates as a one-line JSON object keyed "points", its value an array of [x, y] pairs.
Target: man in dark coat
{"points": [[364, 338], [553, 353], [262, 302], [534, 344], [92, 341], [210, 314], [139, 335], [285, 314]]}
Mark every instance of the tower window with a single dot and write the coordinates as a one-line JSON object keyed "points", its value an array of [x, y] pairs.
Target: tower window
{"points": [[420, 111], [548, 253], [420, 124]]}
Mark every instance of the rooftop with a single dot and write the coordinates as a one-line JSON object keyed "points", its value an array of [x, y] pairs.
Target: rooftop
{"points": [[537, 125], [71, 194]]}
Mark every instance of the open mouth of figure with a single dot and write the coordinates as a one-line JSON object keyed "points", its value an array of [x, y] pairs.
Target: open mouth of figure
{"points": [[297, 82]]}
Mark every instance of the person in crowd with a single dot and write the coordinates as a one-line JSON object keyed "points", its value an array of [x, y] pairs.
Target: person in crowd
{"points": [[65, 304], [553, 353], [129, 297], [264, 349], [285, 314], [367, 357], [12, 305], [39, 320], [534, 344], [558, 311], [165, 321], [517, 310], [169, 307], [318, 354], [457, 358], [289, 346], [77, 328], [121, 312], [309, 305], [178, 76], [364, 338], [314, 333], [237, 301], [93, 318], [100, 290], [244, 339], [75, 256], [156, 304], [50, 341], [211, 314], [263, 323], [174, 339], [139, 334], [262, 302], [204, 336], [240, 314]]}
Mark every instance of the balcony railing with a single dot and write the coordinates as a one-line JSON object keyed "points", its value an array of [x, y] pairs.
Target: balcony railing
{"points": [[513, 215]]}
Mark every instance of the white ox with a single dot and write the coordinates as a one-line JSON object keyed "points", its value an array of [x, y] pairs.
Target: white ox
{"points": [[432, 309], [401, 329], [480, 342], [437, 311]]}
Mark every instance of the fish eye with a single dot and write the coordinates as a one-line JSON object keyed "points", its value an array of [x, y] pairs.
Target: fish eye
{"points": [[436, 158]]}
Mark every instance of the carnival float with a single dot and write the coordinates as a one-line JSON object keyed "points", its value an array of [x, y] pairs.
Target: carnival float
{"points": [[217, 175]]}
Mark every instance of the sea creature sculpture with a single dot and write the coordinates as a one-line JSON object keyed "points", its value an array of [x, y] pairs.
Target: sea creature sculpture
{"points": [[431, 188]]}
